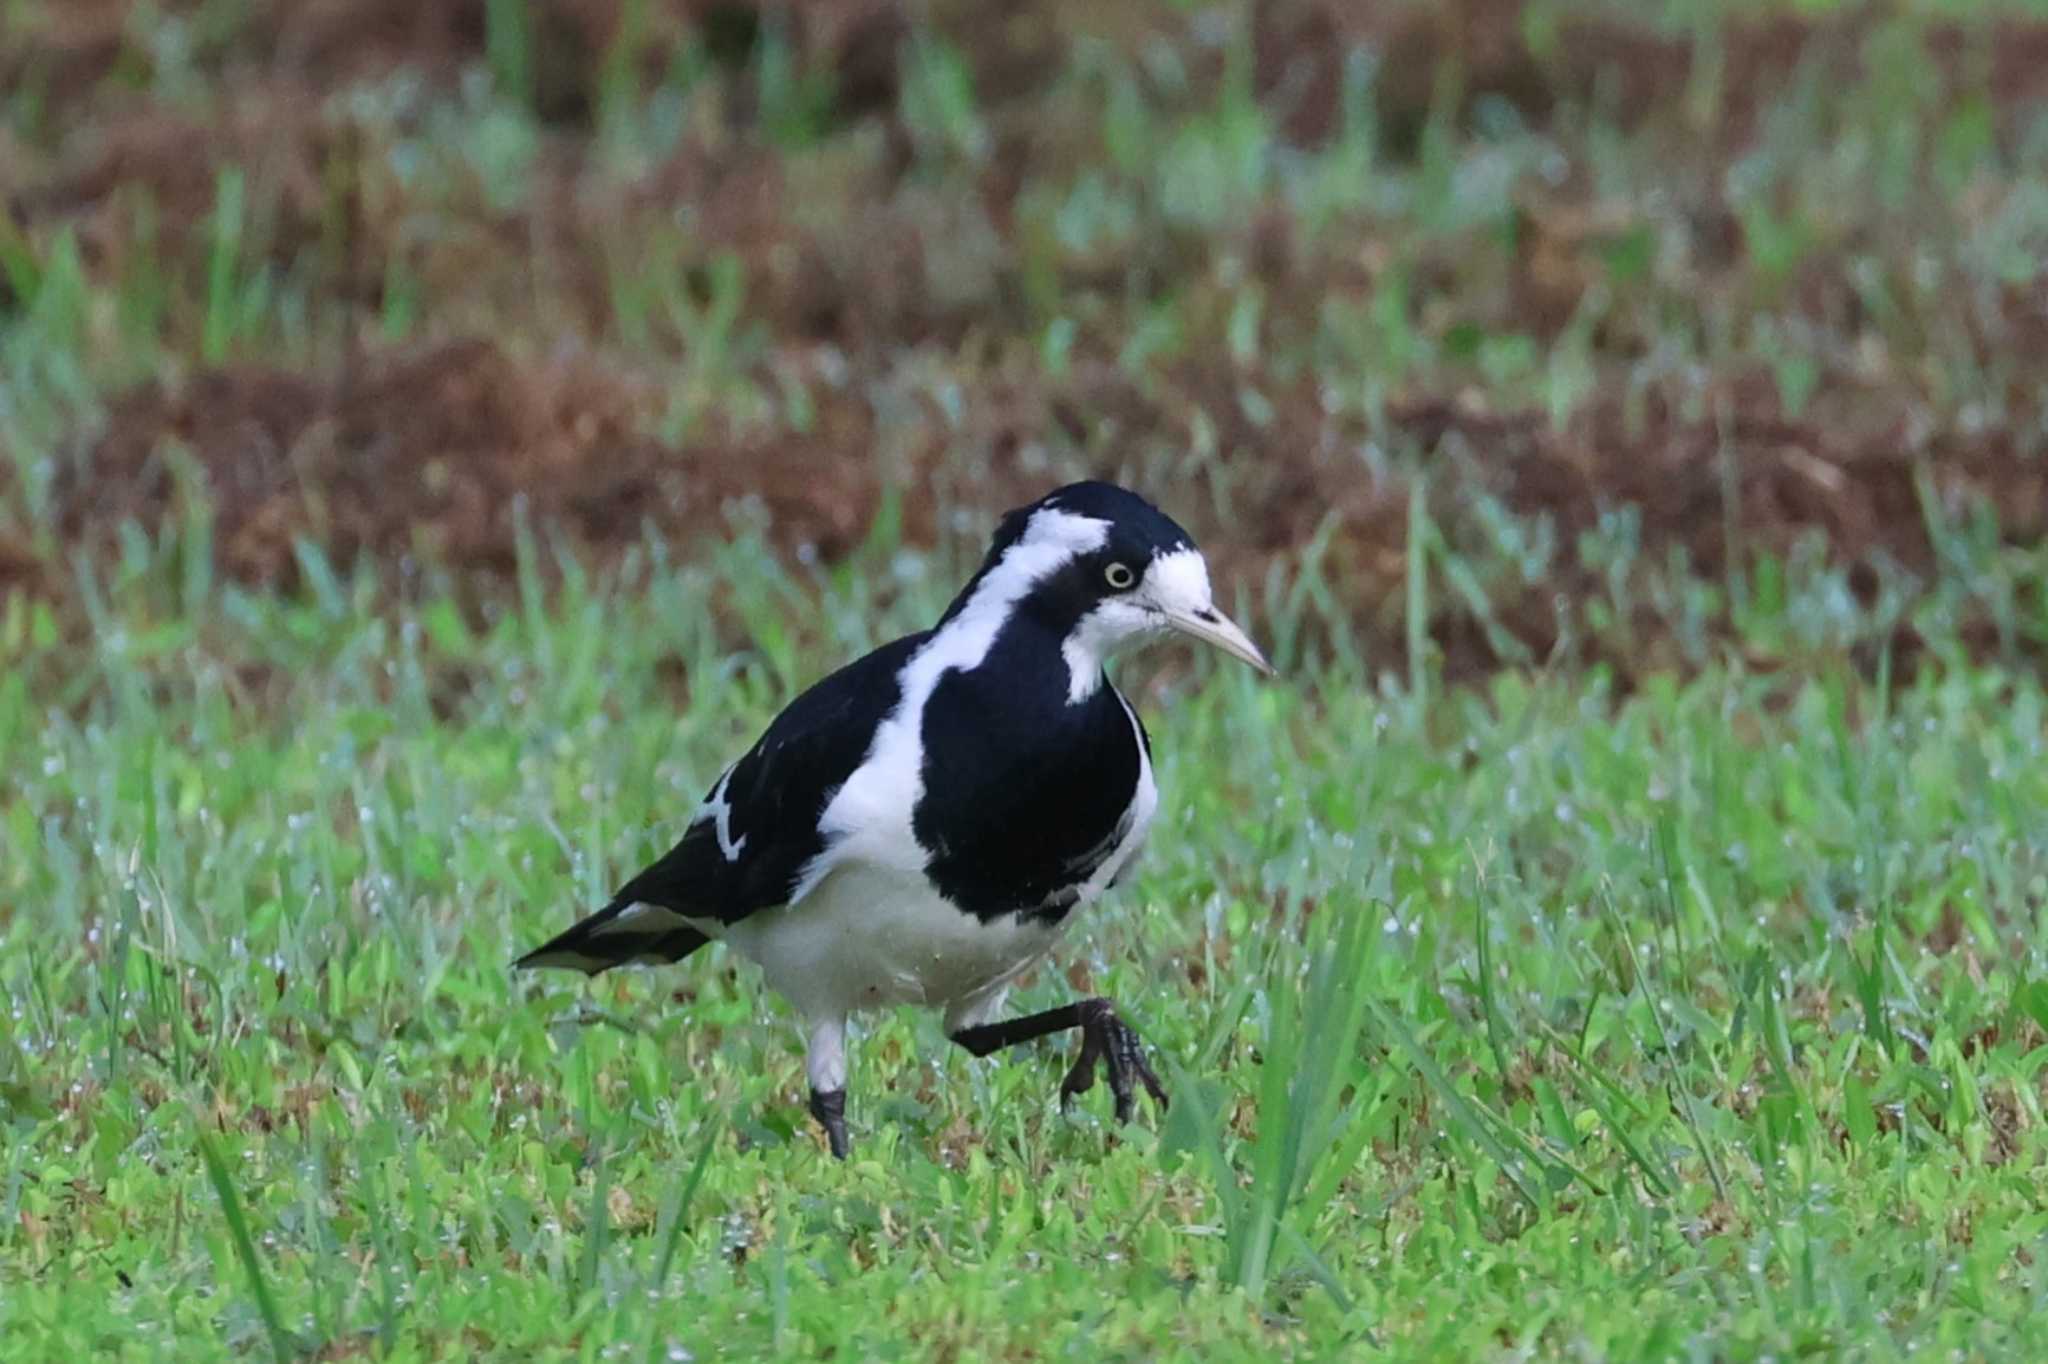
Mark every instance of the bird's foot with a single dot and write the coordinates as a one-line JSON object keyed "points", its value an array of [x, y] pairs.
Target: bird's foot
{"points": [[1105, 1037], [828, 1106]]}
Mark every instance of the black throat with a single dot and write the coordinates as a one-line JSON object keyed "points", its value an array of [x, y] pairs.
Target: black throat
{"points": [[1025, 793]]}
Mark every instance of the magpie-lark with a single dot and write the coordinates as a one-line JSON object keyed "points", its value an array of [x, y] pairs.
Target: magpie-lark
{"points": [[919, 827]]}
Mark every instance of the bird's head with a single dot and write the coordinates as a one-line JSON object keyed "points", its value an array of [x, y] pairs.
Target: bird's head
{"points": [[1102, 567]]}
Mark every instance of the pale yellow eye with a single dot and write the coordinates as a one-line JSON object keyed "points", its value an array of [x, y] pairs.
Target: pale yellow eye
{"points": [[1119, 576]]}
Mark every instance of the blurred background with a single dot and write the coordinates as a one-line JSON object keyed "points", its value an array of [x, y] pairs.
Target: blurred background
{"points": [[1626, 326]]}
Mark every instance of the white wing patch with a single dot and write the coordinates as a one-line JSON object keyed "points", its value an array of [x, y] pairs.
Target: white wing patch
{"points": [[719, 810], [640, 920]]}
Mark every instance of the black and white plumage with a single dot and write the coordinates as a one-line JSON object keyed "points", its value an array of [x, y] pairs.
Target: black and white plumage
{"points": [[919, 827]]}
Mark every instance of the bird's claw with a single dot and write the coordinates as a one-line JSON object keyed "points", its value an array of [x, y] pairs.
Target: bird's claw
{"points": [[1105, 1037]]}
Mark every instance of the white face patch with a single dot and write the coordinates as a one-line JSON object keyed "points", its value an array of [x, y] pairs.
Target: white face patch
{"points": [[1096, 636], [1175, 584], [1178, 583]]}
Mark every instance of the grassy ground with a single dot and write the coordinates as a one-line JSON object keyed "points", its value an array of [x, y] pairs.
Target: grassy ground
{"points": [[435, 435], [1706, 1021]]}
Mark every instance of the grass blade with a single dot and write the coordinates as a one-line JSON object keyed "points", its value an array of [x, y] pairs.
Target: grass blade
{"points": [[1463, 1109], [673, 1218], [281, 1344]]}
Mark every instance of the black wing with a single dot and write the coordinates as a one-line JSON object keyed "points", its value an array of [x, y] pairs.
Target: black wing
{"points": [[758, 829]]}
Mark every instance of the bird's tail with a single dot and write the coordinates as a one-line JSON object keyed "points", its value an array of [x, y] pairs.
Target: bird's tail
{"points": [[623, 933]]}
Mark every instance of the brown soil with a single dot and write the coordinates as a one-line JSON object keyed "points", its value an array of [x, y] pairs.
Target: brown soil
{"points": [[1606, 59], [432, 453], [859, 267]]}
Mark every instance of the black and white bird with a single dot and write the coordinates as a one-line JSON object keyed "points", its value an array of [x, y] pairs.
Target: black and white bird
{"points": [[920, 826]]}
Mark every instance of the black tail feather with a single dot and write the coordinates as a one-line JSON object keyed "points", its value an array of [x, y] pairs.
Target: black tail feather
{"points": [[620, 934]]}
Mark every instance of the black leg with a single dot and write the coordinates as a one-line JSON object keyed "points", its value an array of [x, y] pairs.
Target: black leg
{"points": [[984, 1038], [828, 1106], [1104, 1037]]}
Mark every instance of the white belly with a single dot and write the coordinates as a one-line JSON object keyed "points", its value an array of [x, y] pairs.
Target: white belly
{"points": [[867, 937], [869, 931]]}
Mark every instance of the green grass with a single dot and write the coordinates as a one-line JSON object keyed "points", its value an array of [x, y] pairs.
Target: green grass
{"points": [[1704, 1022]]}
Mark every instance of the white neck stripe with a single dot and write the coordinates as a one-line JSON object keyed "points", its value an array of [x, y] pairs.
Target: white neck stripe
{"points": [[870, 816]]}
